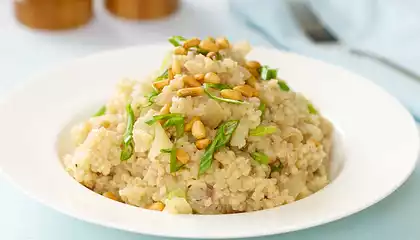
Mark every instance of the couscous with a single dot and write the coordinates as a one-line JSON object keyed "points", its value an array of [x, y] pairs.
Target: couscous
{"points": [[212, 133]]}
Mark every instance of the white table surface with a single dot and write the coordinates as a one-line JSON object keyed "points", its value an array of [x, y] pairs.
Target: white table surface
{"points": [[23, 52]]}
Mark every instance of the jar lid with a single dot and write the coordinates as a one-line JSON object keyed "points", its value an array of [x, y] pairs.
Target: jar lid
{"points": [[53, 14]]}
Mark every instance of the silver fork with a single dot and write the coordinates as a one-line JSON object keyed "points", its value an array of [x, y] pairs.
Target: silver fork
{"points": [[317, 32]]}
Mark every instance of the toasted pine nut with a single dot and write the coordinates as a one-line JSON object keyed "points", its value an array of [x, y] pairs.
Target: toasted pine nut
{"points": [[157, 206], [182, 156], [190, 81], [245, 90], [222, 43], [208, 45], [160, 84], [251, 81], [211, 55], [211, 77], [192, 91], [198, 130], [193, 42], [170, 74], [202, 143], [176, 67], [199, 77], [189, 125], [110, 195], [253, 64], [231, 94], [254, 72], [180, 51], [165, 109]]}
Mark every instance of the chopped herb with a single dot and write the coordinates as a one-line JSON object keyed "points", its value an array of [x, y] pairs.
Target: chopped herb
{"points": [[100, 112], [260, 157], [127, 147], [163, 76], [312, 109], [262, 108], [283, 86], [207, 159], [163, 117], [178, 122], [177, 40], [276, 168], [166, 150], [172, 119], [220, 98], [223, 136], [127, 151], [219, 56], [202, 51], [268, 73], [151, 97], [219, 86], [174, 166], [225, 132], [262, 130]]}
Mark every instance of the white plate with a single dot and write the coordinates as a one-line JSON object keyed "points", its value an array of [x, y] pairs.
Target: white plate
{"points": [[376, 136]]}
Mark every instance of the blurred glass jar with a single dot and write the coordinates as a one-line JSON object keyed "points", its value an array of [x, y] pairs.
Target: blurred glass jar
{"points": [[141, 9], [53, 14]]}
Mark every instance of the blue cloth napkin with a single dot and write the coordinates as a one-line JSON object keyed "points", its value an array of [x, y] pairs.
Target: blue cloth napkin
{"points": [[389, 28]]}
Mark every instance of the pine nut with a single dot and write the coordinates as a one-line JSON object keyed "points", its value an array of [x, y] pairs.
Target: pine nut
{"points": [[222, 42], [251, 81], [161, 84], [165, 109], [203, 143], [253, 64], [189, 125], [245, 90], [208, 45], [170, 74], [211, 77], [193, 42], [198, 130], [180, 51], [190, 81], [176, 67], [157, 206], [254, 72], [193, 92], [182, 156], [110, 195], [231, 94], [199, 77]]}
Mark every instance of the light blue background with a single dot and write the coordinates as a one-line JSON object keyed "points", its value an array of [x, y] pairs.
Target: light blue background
{"points": [[22, 52]]}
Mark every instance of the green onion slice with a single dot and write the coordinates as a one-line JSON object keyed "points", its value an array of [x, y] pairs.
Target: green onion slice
{"points": [[177, 40], [262, 130], [260, 157], [100, 112], [223, 136], [127, 147], [206, 87]]}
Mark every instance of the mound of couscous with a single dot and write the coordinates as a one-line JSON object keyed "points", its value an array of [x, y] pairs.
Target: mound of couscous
{"points": [[212, 133]]}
